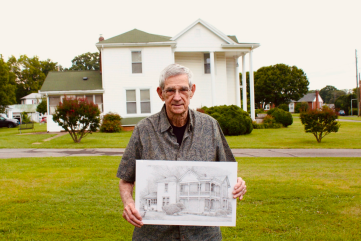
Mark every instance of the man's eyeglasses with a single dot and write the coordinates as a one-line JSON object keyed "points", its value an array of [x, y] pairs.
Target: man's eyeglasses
{"points": [[181, 91]]}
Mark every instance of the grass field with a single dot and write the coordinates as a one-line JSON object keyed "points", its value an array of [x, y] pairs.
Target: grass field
{"points": [[76, 198], [349, 136]]}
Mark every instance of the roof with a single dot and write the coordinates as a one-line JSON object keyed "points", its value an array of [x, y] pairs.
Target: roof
{"points": [[151, 195], [72, 80], [308, 97], [233, 37], [136, 36], [32, 96], [28, 108]]}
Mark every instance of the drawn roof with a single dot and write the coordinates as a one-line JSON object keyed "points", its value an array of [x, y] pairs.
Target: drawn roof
{"points": [[168, 179], [151, 195]]}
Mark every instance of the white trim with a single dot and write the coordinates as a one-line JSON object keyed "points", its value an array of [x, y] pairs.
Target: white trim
{"points": [[238, 89], [244, 82], [207, 25], [150, 44], [213, 78], [73, 92], [251, 45], [251, 86]]}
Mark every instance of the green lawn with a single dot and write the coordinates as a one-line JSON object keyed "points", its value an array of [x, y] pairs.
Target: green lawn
{"points": [[76, 198], [356, 118], [349, 136]]}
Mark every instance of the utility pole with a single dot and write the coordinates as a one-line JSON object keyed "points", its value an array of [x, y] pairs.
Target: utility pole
{"points": [[357, 89]]}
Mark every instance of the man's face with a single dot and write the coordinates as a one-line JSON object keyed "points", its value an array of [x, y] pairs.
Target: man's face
{"points": [[176, 94]]}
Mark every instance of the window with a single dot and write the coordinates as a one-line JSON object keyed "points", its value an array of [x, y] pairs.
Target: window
{"points": [[207, 63], [153, 201], [96, 99], [131, 102], [138, 101], [165, 187], [165, 201], [136, 62], [53, 103]]}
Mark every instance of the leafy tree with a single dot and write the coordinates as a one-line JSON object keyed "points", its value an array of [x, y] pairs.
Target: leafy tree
{"points": [[7, 86], [279, 84], [25, 117], [320, 122], [284, 107], [77, 116], [86, 61], [42, 106], [30, 73], [330, 93], [344, 102]]}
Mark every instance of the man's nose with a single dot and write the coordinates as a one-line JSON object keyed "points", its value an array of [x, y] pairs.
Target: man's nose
{"points": [[177, 95]]}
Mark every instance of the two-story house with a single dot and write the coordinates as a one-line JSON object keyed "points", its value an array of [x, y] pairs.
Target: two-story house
{"points": [[131, 64]]}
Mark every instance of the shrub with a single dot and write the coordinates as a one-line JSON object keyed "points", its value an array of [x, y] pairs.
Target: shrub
{"points": [[24, 117], [301, 107], [111, 123], [283, 117], [42, 106], [284, 107], [266, 125], [259, 111], [320, 122], [79, 117], [271, 111], [232, 119], [354, 111], [269, 120]]}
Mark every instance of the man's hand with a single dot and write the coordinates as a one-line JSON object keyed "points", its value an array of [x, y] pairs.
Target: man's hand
{"points": [[132, 215], [239, 189]]}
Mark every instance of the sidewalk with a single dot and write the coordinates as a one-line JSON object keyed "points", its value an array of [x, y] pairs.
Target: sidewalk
{"points": [[18, 153]]}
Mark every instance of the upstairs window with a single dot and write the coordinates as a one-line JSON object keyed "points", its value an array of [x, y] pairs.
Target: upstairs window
{"points": [[207, 63], [136, 62], [166, 187]]}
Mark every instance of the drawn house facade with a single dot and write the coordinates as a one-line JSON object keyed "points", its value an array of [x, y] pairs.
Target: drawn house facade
{"points": [[198, 193], [130, 64]]}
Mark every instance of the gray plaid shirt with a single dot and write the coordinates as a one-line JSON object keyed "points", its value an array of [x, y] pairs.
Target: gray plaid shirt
{"points": [[153, 139]]}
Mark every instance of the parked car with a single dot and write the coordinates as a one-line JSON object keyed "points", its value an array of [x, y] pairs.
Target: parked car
{"points": [[5, 122], [341, 112]]}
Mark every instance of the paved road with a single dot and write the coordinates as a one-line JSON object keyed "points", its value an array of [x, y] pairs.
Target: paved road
{"points": [[15, 153]]}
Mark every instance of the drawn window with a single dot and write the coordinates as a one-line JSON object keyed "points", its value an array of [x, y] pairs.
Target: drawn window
{"points": [[153, 201], [165, 201], [207, 186], [207, 63], [166, 187], [136, 62]]}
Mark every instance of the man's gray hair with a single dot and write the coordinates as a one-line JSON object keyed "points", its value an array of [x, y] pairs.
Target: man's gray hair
{"points": [[174, 70]]}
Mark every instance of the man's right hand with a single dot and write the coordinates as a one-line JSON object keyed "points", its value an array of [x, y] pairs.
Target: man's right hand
{"points": [[132, 215]]}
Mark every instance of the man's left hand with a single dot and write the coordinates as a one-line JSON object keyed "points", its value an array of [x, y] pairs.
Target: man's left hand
{"points": [[239, 188]]}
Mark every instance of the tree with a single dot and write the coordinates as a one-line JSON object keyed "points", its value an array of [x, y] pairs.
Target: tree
{"points": [[30, 73], [330, 93], [344, 102], [301, 107], [320, 122], [86, 61], [42, 106], [7, 86], [279, 84], [77, 116]]}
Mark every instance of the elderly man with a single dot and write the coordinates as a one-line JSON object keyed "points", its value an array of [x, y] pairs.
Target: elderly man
{"points": [[175, 133]]}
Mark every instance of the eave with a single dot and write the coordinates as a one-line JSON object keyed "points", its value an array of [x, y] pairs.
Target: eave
{"points": [[71, 92], [149, 44]]}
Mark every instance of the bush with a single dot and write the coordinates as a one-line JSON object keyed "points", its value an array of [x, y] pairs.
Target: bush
{"points": [[320, 122], [284, 107], [269, 120], [79, 117], [42, 106], [24, 117], [301, 107], [271, 111], [111, 123], [283, 117], [266, 125], [354, 111], [259, 111], [232, 119]]}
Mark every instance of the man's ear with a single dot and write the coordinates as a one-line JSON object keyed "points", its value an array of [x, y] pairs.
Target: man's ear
{"points": [[160, 93], [193, 90]]}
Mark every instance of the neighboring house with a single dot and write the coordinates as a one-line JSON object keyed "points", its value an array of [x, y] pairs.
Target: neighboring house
{"points": [[33, 98], [198, 193], [14, 112], [314, 101], [130, 65]]}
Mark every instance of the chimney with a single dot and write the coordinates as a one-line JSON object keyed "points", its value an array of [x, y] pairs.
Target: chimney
{"points": [[101, 38], [317, 101]]}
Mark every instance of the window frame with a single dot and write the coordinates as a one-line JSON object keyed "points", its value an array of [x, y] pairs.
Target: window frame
{"points": [[131, 60], [204, 63], [138, 101]]}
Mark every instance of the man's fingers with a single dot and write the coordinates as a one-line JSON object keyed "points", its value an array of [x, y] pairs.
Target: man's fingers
{"points": [[136, 213], [132, 216], [130, 220]]}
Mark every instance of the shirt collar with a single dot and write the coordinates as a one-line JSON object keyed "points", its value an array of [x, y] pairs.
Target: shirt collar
{"points": [[164, 122]]}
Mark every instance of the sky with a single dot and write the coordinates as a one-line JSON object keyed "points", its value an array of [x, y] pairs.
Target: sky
{"points": [[317, 36]]}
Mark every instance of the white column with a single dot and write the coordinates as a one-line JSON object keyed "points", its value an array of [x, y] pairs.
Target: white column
{"points": [[238, 95], [173, 56], [251, 86], [213, 76], [244, 82]]}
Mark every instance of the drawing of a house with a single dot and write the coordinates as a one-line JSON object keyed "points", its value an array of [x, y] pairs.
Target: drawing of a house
{"points": [[199, 193]]}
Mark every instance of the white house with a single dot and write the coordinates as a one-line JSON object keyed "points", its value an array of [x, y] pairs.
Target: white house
{"points": [[198, 192], [131, 63], [33, 98]]}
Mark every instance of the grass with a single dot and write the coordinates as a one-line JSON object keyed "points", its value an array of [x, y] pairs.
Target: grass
{"points": [[76, 198], [294, 136], [355, 118]]}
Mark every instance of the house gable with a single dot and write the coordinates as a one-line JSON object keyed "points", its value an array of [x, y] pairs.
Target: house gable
{"points": [[189, 176]]}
